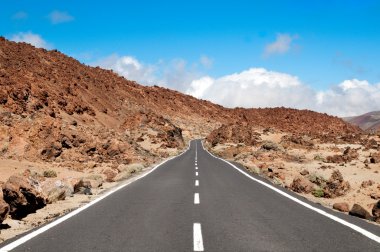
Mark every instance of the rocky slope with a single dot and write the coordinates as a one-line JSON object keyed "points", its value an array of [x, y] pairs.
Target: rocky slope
{"points": [[65, 128], [369, 121], [339, 171]]}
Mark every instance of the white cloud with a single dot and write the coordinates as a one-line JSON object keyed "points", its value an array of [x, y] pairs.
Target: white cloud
{"points": [[349, 98], [258, 87], [175, 74], [20, 15], [57, 17], [30, 38], [255, 87], [130, 68], [280, 46]]}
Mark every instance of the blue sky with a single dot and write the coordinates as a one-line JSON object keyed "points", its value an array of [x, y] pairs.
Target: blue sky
{"points": [[323, 43]]}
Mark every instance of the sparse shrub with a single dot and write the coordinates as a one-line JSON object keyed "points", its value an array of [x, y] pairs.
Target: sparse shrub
{"points": [[319, 193], [50, 174], [254, 169], [317, 179], [277, 181], [319, 157]]}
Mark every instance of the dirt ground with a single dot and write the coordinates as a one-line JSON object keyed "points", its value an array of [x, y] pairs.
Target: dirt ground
{"points": [[11, 227], [282, 162]]}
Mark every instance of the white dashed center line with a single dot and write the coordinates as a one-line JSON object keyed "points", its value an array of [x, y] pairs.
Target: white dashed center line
{"points": [[196, 182], [196, 167], [198, 240], [196, 173], [196, 198]]}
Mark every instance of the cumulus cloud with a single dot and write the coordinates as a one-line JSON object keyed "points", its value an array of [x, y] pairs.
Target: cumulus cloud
{"points": [[255, 87], [258, 87], [175, 74], [130, 68], [282, 44], [20, 15], [30, 38], [349, 98], [57, 17]]}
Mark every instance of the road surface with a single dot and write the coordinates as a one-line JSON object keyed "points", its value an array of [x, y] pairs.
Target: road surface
{"points": [[196, 202]]}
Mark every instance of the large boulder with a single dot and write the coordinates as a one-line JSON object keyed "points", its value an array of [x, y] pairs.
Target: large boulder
{"points": [[23, 196], [358, 211], [349, 154], [302, 185], [110, 174], [54, 190], [375, 158], [376, 212], [341, 206], [4, 208], [83, 187]]}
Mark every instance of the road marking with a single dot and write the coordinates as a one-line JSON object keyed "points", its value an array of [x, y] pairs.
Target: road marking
{"points": [[320, 211], [41, 230], [196, 167], [196, 150], [197, 236], [196, 173], [196, 198], [196, 182]]}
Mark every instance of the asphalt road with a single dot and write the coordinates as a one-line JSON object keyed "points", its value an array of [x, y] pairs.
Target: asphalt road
{"points": [[231, 212]]}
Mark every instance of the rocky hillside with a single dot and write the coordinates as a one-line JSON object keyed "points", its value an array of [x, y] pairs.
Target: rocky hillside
{"points": [[65, 128], [297, 122], [369, 121], [53, 108]]}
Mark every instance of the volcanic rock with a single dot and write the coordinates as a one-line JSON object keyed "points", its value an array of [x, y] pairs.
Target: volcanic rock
{"points": [[23, 196], [302, 185], [4, 208], [375, 158], [110, 174], [376, 211], [54, 190], [358, 211], [341, 206], [304, 172], [348, 155], [82, 187], [367, 183], [336, 186]]}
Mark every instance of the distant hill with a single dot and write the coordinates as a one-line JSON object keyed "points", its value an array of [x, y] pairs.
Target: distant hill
{"points": [[368, 121]]}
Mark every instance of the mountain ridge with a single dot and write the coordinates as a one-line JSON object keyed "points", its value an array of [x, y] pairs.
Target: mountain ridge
{"points": [[369, 121]]}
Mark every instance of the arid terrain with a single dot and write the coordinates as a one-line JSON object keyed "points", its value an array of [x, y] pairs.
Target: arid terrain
{"points": [[369, 122], [340, 172], [69, 132]]}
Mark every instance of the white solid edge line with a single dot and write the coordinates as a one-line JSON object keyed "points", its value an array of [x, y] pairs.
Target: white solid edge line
{"points": [[197, 237], [33, 234], [196, 182], [324, 213]]}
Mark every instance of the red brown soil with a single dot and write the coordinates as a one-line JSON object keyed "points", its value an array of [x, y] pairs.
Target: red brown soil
{"points": [[54, 108]]}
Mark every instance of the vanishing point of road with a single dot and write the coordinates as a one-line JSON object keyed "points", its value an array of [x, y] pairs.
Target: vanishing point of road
{"points": [[197, 202]]}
